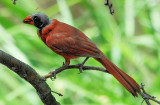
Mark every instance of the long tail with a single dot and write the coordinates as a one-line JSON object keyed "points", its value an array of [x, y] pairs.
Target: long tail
{"points": [[128, 82]]}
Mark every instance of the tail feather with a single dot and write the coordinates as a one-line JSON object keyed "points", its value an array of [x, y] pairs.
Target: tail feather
{"points": [[128, 82]]}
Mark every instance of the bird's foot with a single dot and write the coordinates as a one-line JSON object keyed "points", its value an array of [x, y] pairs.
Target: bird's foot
{"points": [[53, 76], [57, 71], [63, 64]]}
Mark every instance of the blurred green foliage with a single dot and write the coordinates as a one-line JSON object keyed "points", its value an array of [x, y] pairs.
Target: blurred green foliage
{"points": [[130, 38]]}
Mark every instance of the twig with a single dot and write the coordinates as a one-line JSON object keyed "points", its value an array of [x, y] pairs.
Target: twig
{"points": [[57, 93], [110, 6], [14, 2], [30, 75], [65, 67], [81, 65], [146, 97]]}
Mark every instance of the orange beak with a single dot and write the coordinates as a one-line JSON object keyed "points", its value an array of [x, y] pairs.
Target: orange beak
{"points": [[28, 20]]}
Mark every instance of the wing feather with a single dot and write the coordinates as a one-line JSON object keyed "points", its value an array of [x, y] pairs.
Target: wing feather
{"points": [[72, 42]]}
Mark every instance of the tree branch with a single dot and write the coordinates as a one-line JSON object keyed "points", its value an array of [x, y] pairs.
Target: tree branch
{"points": [[68, 67], [31, 76]]}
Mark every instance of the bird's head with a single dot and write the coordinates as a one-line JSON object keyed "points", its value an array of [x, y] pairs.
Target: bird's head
{"points": [[39, 20]]}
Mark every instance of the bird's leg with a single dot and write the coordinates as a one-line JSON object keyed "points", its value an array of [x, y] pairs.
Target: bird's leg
{"points": [[67, 61], [81, 65]]}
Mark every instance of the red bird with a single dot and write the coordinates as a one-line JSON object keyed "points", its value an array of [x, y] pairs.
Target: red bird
{"points": [[71, 43]]}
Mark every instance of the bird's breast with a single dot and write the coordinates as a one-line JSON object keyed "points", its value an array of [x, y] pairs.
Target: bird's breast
{"points": [[46, 31]]}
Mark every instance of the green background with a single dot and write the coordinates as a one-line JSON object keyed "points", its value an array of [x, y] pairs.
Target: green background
{"points": [[130, 38]]}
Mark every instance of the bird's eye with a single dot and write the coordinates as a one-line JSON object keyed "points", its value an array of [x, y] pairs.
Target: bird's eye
{"points": [[35, 18]]}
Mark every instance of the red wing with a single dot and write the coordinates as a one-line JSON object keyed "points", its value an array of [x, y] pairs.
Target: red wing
{"points": [[73, 45]]}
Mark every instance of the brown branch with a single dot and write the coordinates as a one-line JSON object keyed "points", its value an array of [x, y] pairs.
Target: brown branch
{"points": [[31, 76], [110, 6], [65, 67], [53, 73]]}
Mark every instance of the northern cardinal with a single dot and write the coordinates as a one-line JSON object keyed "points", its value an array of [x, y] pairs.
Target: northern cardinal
{"points": [[71, 43]]}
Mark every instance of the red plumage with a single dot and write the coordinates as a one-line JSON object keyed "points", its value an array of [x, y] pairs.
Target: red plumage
{"points": [[71, 43]]}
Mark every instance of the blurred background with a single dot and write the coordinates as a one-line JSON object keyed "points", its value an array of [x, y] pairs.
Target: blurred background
{"points": [[130, 38]]}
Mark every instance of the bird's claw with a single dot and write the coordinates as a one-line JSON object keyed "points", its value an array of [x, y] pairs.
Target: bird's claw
{"points": [[53, 76], [63, 64]]}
